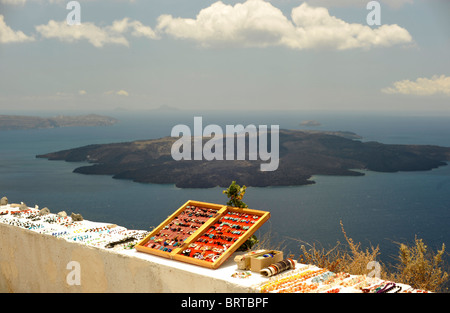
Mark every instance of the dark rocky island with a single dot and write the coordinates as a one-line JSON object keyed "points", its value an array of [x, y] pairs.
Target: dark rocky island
{"points": [[16, 122], [302, 154]]}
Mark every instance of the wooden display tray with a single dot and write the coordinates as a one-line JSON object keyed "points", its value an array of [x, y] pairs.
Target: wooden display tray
{"points": [[221, 212]]}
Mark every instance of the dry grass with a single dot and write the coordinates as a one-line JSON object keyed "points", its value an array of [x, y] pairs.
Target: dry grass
{"points": [[417, 265], [421, 268], [265, 241], [349, 259]]}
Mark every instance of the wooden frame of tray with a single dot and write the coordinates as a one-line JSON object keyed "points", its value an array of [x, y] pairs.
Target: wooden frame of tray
{"points": [[222, 211]]}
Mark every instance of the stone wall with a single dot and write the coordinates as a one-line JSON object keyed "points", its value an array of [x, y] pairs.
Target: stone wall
{"points": [[33, 262]]}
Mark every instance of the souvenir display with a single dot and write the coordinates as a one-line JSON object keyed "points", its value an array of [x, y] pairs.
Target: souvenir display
{"points": [[311, 279], [180, 226], [100, 235], [202, 233], [263, 260], [255, 261], [279, 267], [243, 260], [220, 236], [241, 275]]}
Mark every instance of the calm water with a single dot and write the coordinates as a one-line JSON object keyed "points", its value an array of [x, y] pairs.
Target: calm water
{"points": [[377, 209]]}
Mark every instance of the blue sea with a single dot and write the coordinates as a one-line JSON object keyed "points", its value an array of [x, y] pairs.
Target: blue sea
{"points": [[376, 209]]}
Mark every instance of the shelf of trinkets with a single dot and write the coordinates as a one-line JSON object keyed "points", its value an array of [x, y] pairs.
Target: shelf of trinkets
{"points": [[171, 234], [101, 235], [224, 236], [308, 278], [220, 236], [205, 240], [179, 229]]}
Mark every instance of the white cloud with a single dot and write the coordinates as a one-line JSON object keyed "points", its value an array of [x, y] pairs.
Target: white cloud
{"points": [[122, 93], [97, 36], [253, 23], [136, 27], [8, 35], [317, 28], [256, 23], [82, 92], [421, 87]]}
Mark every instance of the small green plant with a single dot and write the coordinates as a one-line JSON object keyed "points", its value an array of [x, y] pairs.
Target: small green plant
{"points": [[235, 193]]}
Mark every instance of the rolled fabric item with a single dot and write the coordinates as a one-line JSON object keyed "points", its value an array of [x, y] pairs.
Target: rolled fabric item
{"points": [[278, 267], [273, 269], [266, 272], [291, 262]]}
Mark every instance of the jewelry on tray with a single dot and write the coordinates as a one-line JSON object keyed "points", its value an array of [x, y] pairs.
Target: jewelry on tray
{"points": [[221, 235]]}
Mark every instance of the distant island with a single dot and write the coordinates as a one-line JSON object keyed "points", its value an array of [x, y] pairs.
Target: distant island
{"points": [[302, 155], [16, 122], [310, 123], [166, 107]]}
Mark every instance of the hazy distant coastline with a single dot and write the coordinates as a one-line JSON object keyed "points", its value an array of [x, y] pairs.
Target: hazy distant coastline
{"points": [[18, 122]]}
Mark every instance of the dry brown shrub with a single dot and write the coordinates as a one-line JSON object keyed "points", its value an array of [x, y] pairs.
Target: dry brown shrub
{"points": [[417, 266], [421, 268], [351, 259]]}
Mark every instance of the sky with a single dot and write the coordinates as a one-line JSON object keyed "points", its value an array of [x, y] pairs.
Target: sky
{"points": [[198, 55]]}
